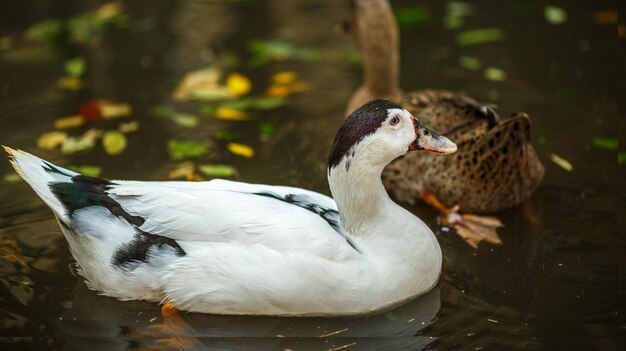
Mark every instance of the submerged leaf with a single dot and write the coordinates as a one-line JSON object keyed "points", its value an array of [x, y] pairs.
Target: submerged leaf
{"points": [[266, 129], [114, 142], [217, 170], [621, 158], [561, 162], [391, 316], [69, 122], [46, 30], [410, 16], [606, 143], [238, 84], [554, 15], [479, 36], [51, 140], [88, 170], [469, 62], [241, 150], [179, 149]]}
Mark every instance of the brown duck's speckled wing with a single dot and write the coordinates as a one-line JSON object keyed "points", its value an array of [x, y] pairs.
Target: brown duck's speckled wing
{"points": [[494, 168], [444, 110]]}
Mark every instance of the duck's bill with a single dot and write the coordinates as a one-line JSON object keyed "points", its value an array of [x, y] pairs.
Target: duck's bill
{"points": [[430, 141]]}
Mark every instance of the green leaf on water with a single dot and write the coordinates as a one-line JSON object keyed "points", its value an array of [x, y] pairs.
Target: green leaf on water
{"points": [[605, 143], [479, 36], [184, 119], [554, 15], [180, 149], [391, 316], [114, 142], [410, 16], [240, 104], [88, 170], [495, 74], [268, 103], [11, 178], [621, 158], [162, 111], [75, 67], [217, 170], [208, 110], [469, 62], [46, 30]]}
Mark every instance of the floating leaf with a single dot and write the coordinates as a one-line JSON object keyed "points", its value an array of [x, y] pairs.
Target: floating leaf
{"points": [[202, 85], [114, 142], [605, 17], [495, 74], [410, 16], [217, 170], [46, 30], [51, 140], [185, 170], [69, 122], [229, 114], [69, 83], [554, 15], [91, 171], [241, 150], [12, 178], [238, 84], [283, 78], [179, 149], [479, 36], [75, 67], [208, 109], [128, 127], [184, 119], [241, 104], [391, 316], [284, 90], [621, 158], [605, 143], [561, 162], [224, 135], [5, 43], [469, 62], [95, 110], [76, 144]]}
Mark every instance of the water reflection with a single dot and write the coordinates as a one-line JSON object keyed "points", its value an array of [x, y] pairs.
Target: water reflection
{"points": [[91, 317]]}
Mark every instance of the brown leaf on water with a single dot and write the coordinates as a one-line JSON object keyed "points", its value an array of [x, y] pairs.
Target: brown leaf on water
{"points": [[97, 109], [51, 140], [474, 229], [605, 17], [203, 84], [128, 127], [186, 170]]}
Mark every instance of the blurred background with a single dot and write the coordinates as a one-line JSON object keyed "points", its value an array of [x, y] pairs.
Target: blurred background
{"points": [[255, 91]]}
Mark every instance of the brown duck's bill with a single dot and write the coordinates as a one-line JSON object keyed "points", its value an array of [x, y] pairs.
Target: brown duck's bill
{"points": [[430, 141]]}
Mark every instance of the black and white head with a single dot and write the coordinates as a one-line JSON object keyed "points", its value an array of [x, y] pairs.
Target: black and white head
{"points": [[380, 131]]}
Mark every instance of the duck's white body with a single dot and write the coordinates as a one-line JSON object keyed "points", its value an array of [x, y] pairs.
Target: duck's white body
{"points": [[235, 248]]}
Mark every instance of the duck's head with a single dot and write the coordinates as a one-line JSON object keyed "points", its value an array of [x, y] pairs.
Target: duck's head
{"points": [[380, 131]]}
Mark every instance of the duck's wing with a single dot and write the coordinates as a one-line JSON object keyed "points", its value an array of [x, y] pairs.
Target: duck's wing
{"points": [[444, 110], [227, 211], [494, 168]]}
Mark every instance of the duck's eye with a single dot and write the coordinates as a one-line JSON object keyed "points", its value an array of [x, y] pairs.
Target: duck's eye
{"points": [[394, 120]]}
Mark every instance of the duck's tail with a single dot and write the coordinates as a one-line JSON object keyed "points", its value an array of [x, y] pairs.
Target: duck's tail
{"points": [[40, 175]]}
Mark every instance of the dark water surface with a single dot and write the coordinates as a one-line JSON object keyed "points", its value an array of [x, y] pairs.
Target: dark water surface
{"points": [[553, 284]]}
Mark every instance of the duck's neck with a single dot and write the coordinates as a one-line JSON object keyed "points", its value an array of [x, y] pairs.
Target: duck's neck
{"points": [[360, 196], [380, 68]]}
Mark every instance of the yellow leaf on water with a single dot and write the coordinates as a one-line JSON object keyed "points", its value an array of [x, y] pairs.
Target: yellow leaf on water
{"points": [[231, 114], [283, 78], [110, 109], [70, 83], [51, 140], [278, 90], [561, 162], [128, 127], [238, 84], [241, 150], [69, 122], [114, 142]]}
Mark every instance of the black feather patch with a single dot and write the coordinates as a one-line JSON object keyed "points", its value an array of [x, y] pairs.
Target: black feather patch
{"points": [[362, 122], [329, 215], [137, 249], [84, 191]]}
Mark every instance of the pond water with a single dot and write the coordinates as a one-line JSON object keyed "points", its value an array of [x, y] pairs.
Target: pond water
{"points": [[552, 284]]}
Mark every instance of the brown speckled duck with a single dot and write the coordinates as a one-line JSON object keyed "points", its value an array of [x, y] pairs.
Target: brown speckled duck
{"points": [[495, 166]]}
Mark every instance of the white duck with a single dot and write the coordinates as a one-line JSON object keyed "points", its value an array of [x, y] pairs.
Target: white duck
{"points": [[234, 248]]}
